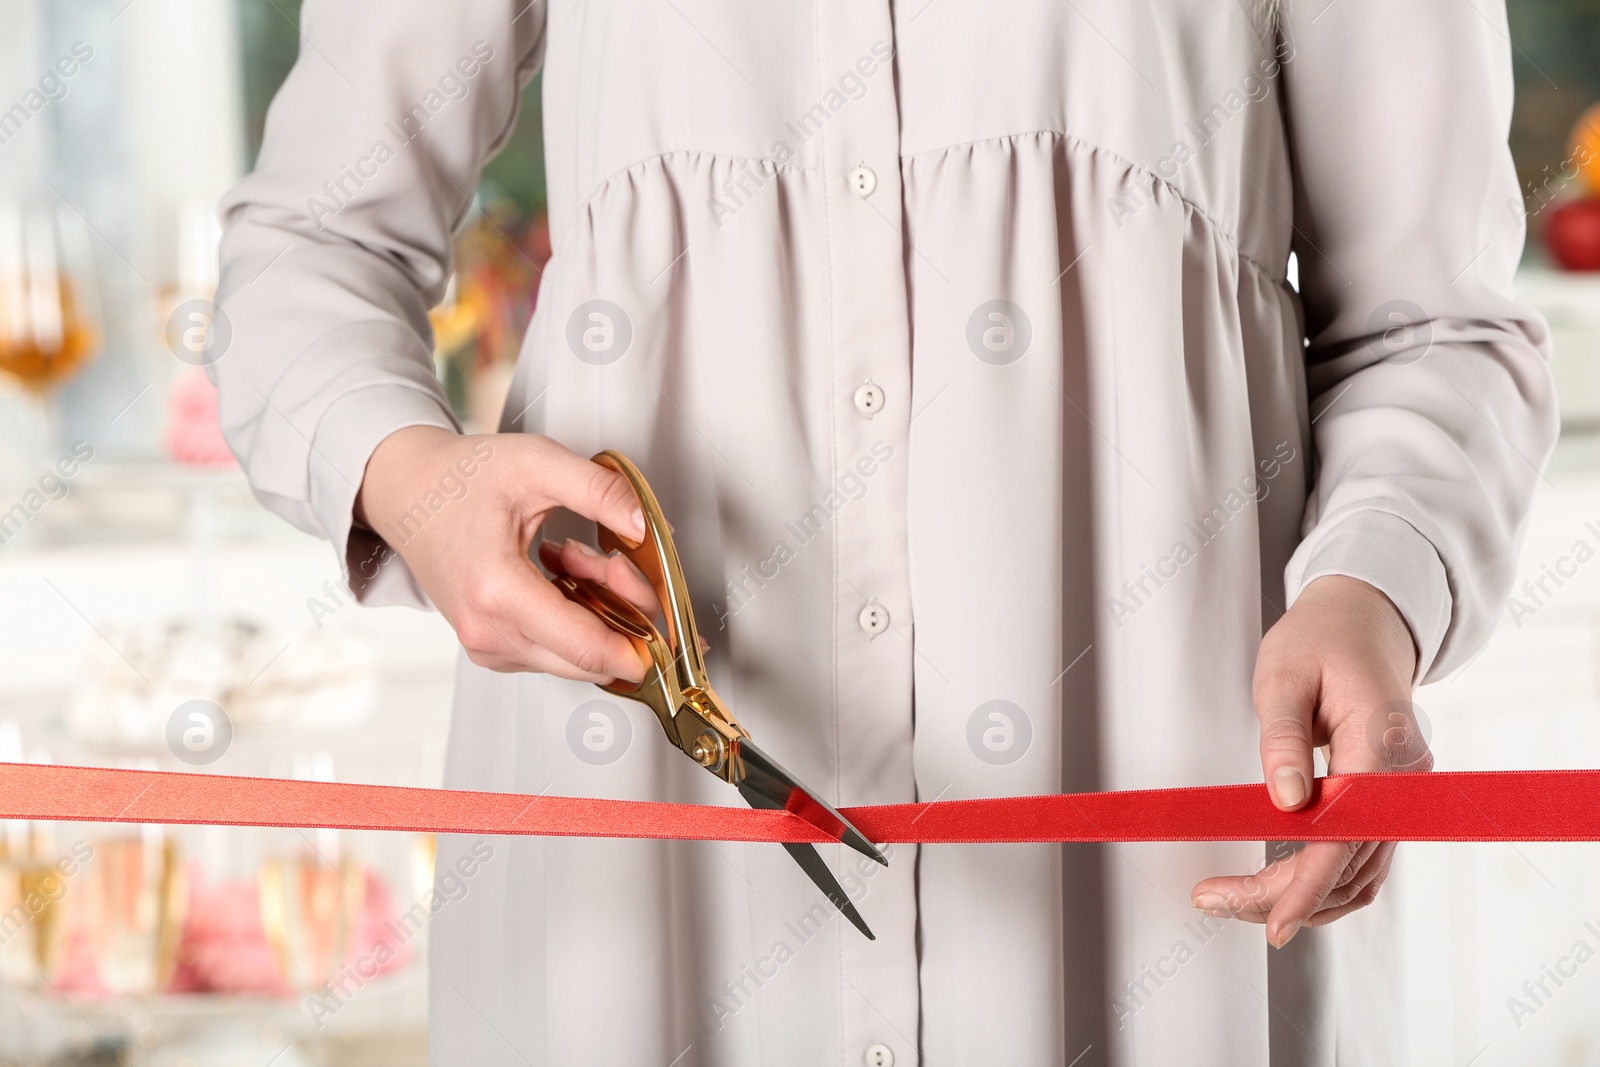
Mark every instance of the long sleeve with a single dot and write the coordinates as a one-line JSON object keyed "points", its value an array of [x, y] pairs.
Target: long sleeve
{"points": [[1431, 398], [339, 241]]}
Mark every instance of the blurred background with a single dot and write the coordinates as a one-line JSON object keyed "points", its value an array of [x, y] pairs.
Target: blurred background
{"points": [[155, 616]]}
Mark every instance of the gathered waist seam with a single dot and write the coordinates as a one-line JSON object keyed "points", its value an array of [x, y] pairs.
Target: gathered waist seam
{"points": [[1211, 221]]}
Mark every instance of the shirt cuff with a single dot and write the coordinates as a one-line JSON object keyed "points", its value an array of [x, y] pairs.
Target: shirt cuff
{"points": [[1393, 557], [347, 434]]}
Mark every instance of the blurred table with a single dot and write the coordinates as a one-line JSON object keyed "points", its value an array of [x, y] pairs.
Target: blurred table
{"points": [[1483, 919], [123, 547], [1570, 303]]}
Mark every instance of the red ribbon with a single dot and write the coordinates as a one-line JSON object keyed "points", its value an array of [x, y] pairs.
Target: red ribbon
{"points": [[1443, 806]]}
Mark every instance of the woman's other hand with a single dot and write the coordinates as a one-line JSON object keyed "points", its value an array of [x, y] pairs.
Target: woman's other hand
{"points": [[1336, 670]]}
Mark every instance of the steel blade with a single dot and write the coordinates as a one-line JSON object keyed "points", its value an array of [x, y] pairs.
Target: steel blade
{"points": [[767, 785], [810, 862]]}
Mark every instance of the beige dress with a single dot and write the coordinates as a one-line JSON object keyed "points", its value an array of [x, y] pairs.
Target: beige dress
{"points": [[956, 340]]}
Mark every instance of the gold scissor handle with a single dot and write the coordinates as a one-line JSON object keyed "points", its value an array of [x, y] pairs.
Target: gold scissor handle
{"points": [[659, 689], [676, 686], [657, 559]]}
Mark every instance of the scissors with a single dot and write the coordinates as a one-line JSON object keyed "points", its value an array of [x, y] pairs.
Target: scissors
{"points": [[677, 688]]}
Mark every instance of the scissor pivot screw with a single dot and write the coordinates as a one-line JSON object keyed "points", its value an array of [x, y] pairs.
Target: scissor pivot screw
{"points": [[707, 749]]}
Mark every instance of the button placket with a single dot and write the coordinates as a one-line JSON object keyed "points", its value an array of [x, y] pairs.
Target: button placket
{"points": [[870, 353]]}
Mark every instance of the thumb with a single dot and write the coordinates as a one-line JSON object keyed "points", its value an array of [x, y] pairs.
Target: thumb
{"points": [[593, 491], [1286, 692]]}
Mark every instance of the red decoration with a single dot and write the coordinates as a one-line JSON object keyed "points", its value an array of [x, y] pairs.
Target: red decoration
{"points": [[1572, 234]]}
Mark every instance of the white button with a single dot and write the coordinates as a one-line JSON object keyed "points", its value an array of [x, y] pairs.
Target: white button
{"points": [[863, 181], [869, 399], [879, 1056], [874, 618]]}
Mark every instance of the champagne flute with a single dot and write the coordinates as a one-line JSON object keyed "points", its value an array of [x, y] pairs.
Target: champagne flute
{"points": [[137, 905], [310, 908], [312, 896]]}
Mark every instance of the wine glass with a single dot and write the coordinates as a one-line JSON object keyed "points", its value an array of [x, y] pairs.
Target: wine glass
{"points": [[48, 305], [49, 316]]}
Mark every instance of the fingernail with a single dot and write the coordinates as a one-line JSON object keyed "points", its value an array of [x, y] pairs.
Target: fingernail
{"points": [[1212, 904], [1285, 932], [638, 522], [1290, 786], [587, 550]]}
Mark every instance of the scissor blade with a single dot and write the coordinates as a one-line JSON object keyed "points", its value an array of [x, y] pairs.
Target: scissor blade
{"points": [[767, 785], [806, 856]]}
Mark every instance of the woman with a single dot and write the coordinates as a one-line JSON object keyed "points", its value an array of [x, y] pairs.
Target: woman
{"points": [[959, 348]]}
